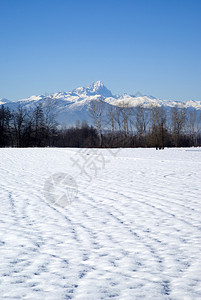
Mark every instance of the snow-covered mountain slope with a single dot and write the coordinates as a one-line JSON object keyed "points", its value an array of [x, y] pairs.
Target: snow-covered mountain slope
{"points": [[74, 105], [4, 101]]}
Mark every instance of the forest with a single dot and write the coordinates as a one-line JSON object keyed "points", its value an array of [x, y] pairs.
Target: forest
{"points": [[110, 126]]}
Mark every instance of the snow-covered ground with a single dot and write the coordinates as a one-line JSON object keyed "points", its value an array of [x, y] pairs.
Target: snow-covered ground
{"points": [[131, 229]]}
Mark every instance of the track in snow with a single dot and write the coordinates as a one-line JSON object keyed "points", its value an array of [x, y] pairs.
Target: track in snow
{"points": [[133, 231]]}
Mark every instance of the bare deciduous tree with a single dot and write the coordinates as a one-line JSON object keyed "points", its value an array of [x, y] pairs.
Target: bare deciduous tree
{"points": [[96, 110], [178, 118], [5, 117], [19, 121], [142, 120]]}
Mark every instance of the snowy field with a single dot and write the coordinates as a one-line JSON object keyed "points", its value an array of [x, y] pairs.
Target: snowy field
{"points": [[131, 228]]}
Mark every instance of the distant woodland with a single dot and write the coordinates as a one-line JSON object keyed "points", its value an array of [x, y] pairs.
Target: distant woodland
{"points": [[116, 126]]}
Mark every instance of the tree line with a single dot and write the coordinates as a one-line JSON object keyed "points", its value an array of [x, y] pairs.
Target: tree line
{"points": [[113, 126], [125, 126], [27, 128]]}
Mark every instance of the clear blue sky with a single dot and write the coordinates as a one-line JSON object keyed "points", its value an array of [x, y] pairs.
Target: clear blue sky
{"points": [[150, 46]]}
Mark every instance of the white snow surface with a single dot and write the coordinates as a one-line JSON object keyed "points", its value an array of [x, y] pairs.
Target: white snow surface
{"points": [[132, 232]]}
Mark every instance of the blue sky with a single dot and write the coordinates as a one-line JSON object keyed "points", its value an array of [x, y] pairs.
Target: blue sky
{"points": [[150, 46]]}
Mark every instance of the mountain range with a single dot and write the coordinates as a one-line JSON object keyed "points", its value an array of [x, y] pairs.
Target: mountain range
{"points": [[74, 105]]}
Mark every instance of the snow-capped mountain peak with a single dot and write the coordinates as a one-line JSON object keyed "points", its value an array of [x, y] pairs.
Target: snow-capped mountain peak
{"points": [[75, 105], [96, 88]]}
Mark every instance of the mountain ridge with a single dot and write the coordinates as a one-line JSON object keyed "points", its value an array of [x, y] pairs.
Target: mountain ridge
{"points": [[74, 105], [98, 89]]}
